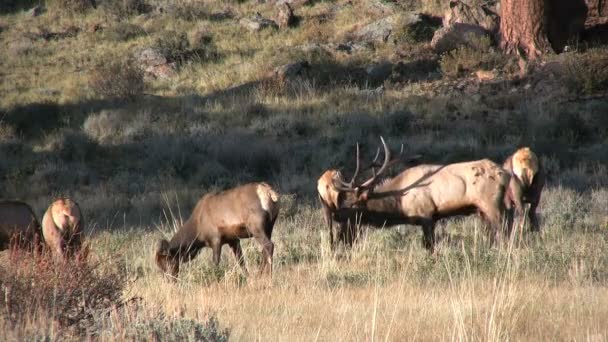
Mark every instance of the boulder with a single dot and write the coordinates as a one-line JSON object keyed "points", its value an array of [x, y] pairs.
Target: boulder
{"points": [[151, 57], [378, 72], [377, 31], [480, 15], [293, 3], [452, 37], [380, 7], [291, 71], [155, 64], [257, 23]]}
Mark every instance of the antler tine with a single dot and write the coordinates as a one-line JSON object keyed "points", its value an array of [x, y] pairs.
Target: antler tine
{"points": [[352, 180], [385, 165], [341, 185]]}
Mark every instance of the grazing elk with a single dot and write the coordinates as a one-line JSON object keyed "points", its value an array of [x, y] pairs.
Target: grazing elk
{"points": [[225, 217], [62, 227], [18, 225], [423, 194], [526, 185]]}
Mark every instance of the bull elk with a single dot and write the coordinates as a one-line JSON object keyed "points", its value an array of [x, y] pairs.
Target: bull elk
{"points": [[62, 227], [225, 217], [18, 225], [420, 195], [525, 187]]}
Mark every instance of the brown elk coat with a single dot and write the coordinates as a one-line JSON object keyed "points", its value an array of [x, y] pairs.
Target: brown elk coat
{"points": [[18, 224], [420, 195], [62, 226], [222, 218], [526, 185]]}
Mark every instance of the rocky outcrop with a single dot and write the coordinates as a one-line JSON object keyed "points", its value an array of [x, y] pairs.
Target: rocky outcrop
{"points": [[155, 64], [377, 31], [257, 23], [480, 15], [454, 36]]}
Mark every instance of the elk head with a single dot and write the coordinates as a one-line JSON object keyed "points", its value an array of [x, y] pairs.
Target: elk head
{"points": [[166, 262], [354, 194]]}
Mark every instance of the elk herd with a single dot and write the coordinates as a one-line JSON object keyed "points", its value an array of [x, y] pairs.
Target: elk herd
{"points": [[419, 195]]}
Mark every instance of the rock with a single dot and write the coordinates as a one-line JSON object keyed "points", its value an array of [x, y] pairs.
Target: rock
{"points": [[452, 37], [291, 71], [380, 7], [379, 72], [350, 47], [485, 75], [377, 31], [155, 64], [462, 13], [597, 12], [36, 11], [257, 23], [151, 57], [285, 17], [162, 71], [293, 3]]}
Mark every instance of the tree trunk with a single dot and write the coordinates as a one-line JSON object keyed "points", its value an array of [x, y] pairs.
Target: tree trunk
{"points": [[523, 27], [534, 27]]}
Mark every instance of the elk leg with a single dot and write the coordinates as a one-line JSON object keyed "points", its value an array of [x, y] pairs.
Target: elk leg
{"points": [[238, 254], [267, 252], [328, 222], [494, 220], [428, 228], [534, 226], [217, 252]]}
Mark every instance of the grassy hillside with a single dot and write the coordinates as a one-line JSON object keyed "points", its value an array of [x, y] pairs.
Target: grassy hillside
{"points": [[78, 117]]}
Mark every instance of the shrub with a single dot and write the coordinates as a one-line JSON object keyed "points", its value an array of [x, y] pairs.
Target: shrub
{"points": [[179, 330], [121, 9], [34, 286], [71, 145], [177, 48], [70, 7], [7, 133], [588, 72], [478, 55], [189, 11], [104, 125], [117, 78], [122, 31], [422, 31]]}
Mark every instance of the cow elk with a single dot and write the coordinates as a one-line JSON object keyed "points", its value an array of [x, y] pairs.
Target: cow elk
{"points": [[222, 218], [525, 187], [18, 226], [62, 227], [420, 195]]}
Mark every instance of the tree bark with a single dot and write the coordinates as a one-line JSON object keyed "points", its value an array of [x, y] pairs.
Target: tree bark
{"points": [[535, 27], [523, 27]]}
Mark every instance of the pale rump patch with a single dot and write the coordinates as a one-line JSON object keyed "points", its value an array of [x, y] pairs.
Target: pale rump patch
{"points": [[525, 165], [268, 199], [325, 187], [65, 213]]}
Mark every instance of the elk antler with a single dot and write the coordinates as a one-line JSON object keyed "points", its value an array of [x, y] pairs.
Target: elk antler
{"points": [[340, 185], [387, 162]]}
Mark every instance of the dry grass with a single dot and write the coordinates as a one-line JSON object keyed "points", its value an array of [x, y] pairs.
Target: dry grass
{"points": [[215, 125]]}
